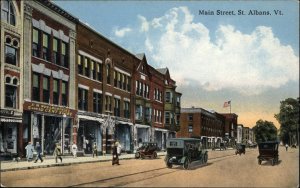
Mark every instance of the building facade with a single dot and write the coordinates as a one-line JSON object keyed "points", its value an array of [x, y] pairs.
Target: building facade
{"points": [[63, 82], [200, 123]]}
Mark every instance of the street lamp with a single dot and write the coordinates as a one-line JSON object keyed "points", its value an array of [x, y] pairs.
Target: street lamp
{"points": [[63, 132]]}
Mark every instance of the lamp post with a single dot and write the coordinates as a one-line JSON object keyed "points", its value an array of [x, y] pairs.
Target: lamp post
{"points": [[63, 133]]}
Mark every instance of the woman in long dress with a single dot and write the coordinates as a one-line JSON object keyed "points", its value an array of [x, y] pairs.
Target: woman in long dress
{"points": [[115, 157], [29, 151]]}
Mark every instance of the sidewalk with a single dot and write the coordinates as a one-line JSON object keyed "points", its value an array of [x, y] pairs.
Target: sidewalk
{"points": [[69, 160]]}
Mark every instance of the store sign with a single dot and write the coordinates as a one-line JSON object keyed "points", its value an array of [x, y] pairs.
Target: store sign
{"points": [[4, 112], [50, 109]]}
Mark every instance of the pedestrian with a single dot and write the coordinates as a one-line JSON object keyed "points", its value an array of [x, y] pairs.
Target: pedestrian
{"points": [[115, 157], [57, 152], [29, 151], [286, 147], [119, 147], [95, 151], [38, 149], [74, 150]]}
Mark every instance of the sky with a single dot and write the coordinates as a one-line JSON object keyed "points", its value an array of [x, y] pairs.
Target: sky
{"points": [[249, 58]]}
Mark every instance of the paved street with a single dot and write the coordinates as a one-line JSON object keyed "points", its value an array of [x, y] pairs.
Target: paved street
{"points": [[224, 169]]}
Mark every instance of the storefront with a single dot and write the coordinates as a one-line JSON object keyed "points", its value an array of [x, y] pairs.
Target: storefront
{"points": [[160, 137], [48, 125], [89, 133], [10, 122], [143, 133], [123, 133]]}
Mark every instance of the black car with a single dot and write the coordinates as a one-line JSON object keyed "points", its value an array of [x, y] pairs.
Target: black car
{"points": [[268, 151], [148, 149], [185, 151]]}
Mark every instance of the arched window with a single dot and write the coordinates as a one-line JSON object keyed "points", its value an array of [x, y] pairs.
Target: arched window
{"points": [[8, 12], [11, 89]]}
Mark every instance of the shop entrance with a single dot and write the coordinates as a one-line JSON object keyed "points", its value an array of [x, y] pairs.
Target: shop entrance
{"points": [[8, 138]]}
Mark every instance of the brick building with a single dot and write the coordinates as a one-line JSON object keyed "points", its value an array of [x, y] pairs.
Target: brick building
{"points": [[200, 123]]}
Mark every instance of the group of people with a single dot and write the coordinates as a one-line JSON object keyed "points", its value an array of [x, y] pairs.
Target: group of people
{"points": [[30, 149]]}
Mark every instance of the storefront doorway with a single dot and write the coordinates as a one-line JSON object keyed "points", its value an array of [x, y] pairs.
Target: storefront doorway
{"points": [[123, 134], [8, 138]]}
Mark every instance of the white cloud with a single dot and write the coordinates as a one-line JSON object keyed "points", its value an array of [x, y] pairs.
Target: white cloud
{"points": [[247, 63], [122, 32]]}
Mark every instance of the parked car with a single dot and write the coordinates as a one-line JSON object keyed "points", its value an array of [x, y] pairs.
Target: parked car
{"points": [[240, 148], [185, 151], [268, 151], [148, 149]]}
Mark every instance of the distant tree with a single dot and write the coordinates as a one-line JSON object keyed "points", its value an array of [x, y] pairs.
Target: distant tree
{"points": [[265, 131], [288, 118]]}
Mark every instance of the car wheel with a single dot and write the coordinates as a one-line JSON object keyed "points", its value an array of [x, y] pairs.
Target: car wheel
{"points": [[205, 157], [259, 161], [137, 155], [154, 155], [186, 164], [169, 165]]}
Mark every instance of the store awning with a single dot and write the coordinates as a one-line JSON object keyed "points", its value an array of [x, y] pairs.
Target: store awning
{"points": [[124, 122], [162, 130], [142, 126], [91, 118]]}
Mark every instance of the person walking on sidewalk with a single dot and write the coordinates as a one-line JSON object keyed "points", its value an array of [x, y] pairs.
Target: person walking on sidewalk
{"points": [[115, 157], [286, 147], [29, 151], [57, 152], [95, 151], [38, 149], [74, 150]]}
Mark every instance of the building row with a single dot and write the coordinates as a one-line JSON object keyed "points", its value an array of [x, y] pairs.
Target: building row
{"points": [[63, 82], [213, 128]]}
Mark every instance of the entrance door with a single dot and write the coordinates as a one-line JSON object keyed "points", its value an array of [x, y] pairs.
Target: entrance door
{"points": [[11, 138]]}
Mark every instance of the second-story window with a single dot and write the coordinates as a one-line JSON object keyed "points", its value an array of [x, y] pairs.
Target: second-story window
{"points": [[126, 109], [168, 97], [46, 45], [167, 117], [46, 89], [138, 112], [108, 103], [64, 93], [11, 51], [82, 99], [108, 73], [55, 91], [36, 87], [11, 96], [97, 100], [148, 114]]}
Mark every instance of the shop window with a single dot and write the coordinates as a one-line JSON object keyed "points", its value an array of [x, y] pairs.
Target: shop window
{"points": [[82, 99], [55, 51], [36, 87], [8, 12], [64, 93], [97, 100], [11, 94], [46, 47], [55, 91], [35, 43], [46, 88], [64, 55]]}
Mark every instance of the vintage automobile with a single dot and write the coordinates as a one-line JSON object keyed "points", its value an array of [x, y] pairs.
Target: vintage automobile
{"points": [[185, 152], [268, 151], [148, 149], [240, 148]]}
